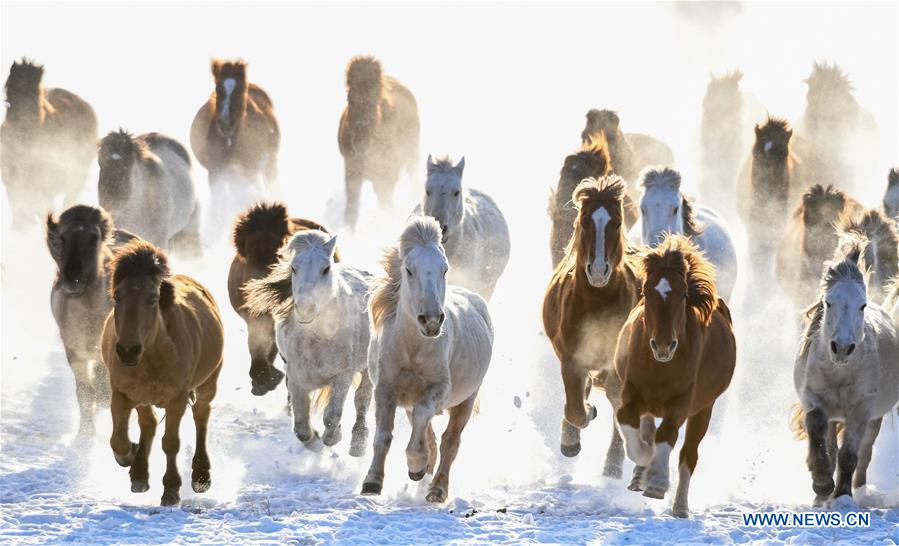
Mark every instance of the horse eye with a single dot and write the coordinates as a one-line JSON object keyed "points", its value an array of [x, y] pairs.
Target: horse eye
{"points": [[153, 301], [684, 297], [863, 307], [408, 272], [674, 211], [827, 303], [428, 193], [456, 193], [326, 270]]}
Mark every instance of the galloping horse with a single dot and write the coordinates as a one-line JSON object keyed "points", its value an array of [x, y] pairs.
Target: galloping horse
{"points": [[689, 363], [259, 233], [47, 142], [588, 299], [880, 260], [151, 169], [430, 348], [236, 132], [81, 242], [162, 344], [847, 372], [664, 209], [475, 233], [378, 133], [722, 137], [322, 332]]}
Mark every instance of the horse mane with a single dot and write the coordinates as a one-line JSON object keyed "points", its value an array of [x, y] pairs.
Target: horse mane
{"points": [[385, 295], [881, 234], [665, 177], [268, 218], [843, 268], [815, 199], [731, 78], [610, 190], [678, 254], [364, 72], [139, 258], [830, 77], [596, 119], [126, 144], [77, 214], [229, 67], [440, 165], [25, 70]]}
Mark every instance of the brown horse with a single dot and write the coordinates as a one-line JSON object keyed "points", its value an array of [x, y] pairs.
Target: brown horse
{"points": [[81, 242], [810, 239], [47, 142], [721, 135], [676, 355], [162, 344], [258, 234], [236, 131], [378, 134], [630, 152], [591, 161], [588, 299]]}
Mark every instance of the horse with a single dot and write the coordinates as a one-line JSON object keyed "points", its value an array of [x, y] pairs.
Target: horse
{"points": [[810, 239], [378, 133], [591, 161], [259, 233], [47, 142], [845, 134], [162, 344], [591, 292], [774, 177], [690, 362], [235, 132], [81, 241], [139, 170], [322, 332], [630, 152], [880, 260], [430, 348], [721, 135], [475, 234], [664, 209], [891, 197], [847, 372]]}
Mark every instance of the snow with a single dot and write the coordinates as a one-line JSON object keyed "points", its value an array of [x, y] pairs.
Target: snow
{"points": [[510, 484]]}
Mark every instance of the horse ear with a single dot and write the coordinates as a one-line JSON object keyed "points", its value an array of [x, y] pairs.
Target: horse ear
{"points": [[758, 130], [893, 178], [789, 134], [431, 164], [53, 238], [331, 246], [216, 68], [460, 166], [166, 294]]}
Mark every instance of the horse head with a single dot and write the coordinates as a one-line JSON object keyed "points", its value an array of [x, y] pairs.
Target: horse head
{"points": [[599, 237], [75, 240], [444, 198], [231, 91]]}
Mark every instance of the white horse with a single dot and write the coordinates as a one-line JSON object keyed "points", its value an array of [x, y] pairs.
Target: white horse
{"points": [[430, 348], [321, 330], [664, 209], [847, 371], [475, 233], [146, 187]]}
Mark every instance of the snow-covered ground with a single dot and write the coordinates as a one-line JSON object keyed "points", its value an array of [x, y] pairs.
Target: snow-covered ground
{"points": [[509, 93]]}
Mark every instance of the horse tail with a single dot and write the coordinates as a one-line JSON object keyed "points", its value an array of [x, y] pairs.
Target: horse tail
{"points": [[797, 422], [322, 397]]}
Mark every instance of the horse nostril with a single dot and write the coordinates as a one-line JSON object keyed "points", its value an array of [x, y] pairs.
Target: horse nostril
{"points": [[833, 346], [653, 344], [672, 346], [606, 270], [422, 320], [850, 349], [442, 317], [589, 268], [443, 229]]}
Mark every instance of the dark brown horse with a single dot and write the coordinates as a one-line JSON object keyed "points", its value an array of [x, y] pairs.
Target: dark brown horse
{"points": [[236, 131], [47, 142], [810, 239], [81, 242], [258, 235], [378, 134], [630, 152], [588, 299], [676, 355], [591, 161], [162, 344]]}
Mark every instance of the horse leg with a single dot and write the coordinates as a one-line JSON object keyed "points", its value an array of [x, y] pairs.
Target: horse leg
{"points": [[831, 446], [864, 452], [578, 412], [86, 394], [425, 409], [123, 448], [385, 412], [171, 443], [628, 417], [264, 377], [647, 436], [818, 461], [697, 425], [848, 458], [657, 476], [385, 188], [361, 401], [615, 454], [353, 182], [140, 469], [299, 400], [102, 390], [449, 447], [200, 480], [334, 411]]}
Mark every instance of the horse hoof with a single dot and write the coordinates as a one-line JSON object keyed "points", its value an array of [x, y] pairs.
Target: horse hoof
{"points": [[126, 460], [823, 489], [436, 496], [416, 476], [680, 512], [170, 497], [612, 471], [140, 486], [371, 488], [571, 450], [654, 492], [331, 439], [201, 485]]}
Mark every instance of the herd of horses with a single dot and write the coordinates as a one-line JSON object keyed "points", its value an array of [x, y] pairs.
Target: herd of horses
{"points": [[638, 304]]}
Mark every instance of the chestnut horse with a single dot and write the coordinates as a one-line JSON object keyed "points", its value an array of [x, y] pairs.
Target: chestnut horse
{"points": [[810, 239], [259, 233], [588, 299], [47, 142], [378, 133], [236, 131], [81, 242], [676, 355], [591, 161], [162, 344], [630, 152]]}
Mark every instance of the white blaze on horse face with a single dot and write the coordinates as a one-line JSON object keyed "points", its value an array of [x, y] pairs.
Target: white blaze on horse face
{"points": [[768, 146], [663, 288], [115, 156], [228, 84], [598, 273], [661, 211], [844, 319]]}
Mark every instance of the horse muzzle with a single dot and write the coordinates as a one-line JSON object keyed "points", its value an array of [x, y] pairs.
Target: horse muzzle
{"points": [[129, 356], [598, 275], [840, 353], [431, 325], [663, 354]]}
